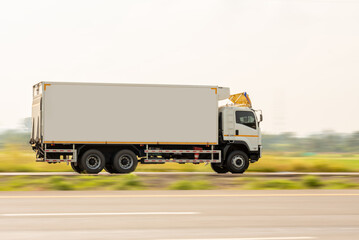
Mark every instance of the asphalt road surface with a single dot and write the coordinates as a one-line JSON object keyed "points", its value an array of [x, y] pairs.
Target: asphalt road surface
{"points": [[177, 215]]}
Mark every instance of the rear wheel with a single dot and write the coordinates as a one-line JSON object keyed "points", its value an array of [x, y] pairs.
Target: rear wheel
{"points": [[109, 168], [92, 161], [218, 168], [125, 161], [76, 167], [237, 162]]}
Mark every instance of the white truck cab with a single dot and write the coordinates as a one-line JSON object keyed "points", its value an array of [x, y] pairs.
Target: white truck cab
{"points": [[239, 137], [240, 124]]}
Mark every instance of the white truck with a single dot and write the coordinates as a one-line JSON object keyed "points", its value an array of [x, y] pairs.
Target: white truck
{"points": [[96, 126]]}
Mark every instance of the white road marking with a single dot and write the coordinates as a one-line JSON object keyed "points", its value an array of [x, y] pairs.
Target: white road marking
{"points": [[249, 238], [94, 214]]}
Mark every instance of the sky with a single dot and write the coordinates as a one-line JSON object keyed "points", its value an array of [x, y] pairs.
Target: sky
{"points": [[297, 59]]}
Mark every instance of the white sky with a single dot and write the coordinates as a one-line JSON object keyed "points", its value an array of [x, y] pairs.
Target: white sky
{"points": [[297, 59]]}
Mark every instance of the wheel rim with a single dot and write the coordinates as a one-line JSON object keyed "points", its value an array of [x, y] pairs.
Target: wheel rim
{"points": [[93, 162], [238, 161], [125, 161]]}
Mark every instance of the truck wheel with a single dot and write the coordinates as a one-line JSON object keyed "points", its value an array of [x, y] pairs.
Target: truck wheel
{"points": [[109, 168], [218, 168], [76, 167], [237, 162], [92, 161], [108, 164], [125, 161]]}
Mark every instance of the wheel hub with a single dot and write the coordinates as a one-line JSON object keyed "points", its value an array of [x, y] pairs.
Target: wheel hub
{"points": [[126, 162], [238, 161], [93, 162]]}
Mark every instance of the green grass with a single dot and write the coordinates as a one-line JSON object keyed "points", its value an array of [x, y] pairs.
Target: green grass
{"points": [[13, 159], [129, 182], [306, 182], [133, 182], [31, 183], [340, 184], [255, 184], [312, 182], [317, 163], [191, 185]]}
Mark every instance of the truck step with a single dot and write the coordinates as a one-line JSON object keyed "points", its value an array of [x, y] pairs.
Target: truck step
{"points": [[55, 160], [60, 150], [60, 160], [59, 155]]}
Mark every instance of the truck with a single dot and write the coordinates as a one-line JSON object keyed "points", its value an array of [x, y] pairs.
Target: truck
{"points": [[96, 126]]}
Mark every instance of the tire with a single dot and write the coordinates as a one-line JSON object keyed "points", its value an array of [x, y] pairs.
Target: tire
{"points": [[108, 165], [92, 161], [109, 168], [218, 168], [237, 162], [125, 161], [76, 167]]}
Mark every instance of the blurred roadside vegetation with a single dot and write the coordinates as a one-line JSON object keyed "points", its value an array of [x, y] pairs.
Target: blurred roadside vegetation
{"points": [[174, 182], [325, 152], [325, 142]]}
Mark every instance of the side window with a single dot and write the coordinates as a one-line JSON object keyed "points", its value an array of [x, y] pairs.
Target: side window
{"points": [[246, 118]]}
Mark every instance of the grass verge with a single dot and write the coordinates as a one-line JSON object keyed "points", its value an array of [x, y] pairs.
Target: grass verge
{"points": [[133, 182], [306, 182]]}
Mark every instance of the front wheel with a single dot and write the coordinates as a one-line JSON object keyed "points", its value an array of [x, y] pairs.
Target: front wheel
{"points": [[218, 168], [125, 161], [237, 162]]}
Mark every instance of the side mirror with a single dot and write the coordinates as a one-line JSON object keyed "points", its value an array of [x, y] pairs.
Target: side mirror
{"points": [[259, 113]]}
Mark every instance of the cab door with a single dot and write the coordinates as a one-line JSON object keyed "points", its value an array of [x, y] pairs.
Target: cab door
{"points": [[247, 129]]}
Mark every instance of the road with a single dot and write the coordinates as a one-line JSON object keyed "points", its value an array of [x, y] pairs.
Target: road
{"points": [[177, 215], [250, 174]]}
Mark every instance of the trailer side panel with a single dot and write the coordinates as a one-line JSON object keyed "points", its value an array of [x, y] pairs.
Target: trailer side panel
{"points": [[125, 113]]}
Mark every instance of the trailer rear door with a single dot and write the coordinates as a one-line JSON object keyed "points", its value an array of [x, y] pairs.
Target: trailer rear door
{"points": [[36, 133]]}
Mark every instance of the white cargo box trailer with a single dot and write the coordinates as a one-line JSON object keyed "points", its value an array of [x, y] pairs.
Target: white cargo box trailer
{"points": [[130, 113], [97, 125]]}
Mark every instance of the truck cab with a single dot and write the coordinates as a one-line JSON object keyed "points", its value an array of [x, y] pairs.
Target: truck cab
{"points": [[240, 138], [240, 125]]}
